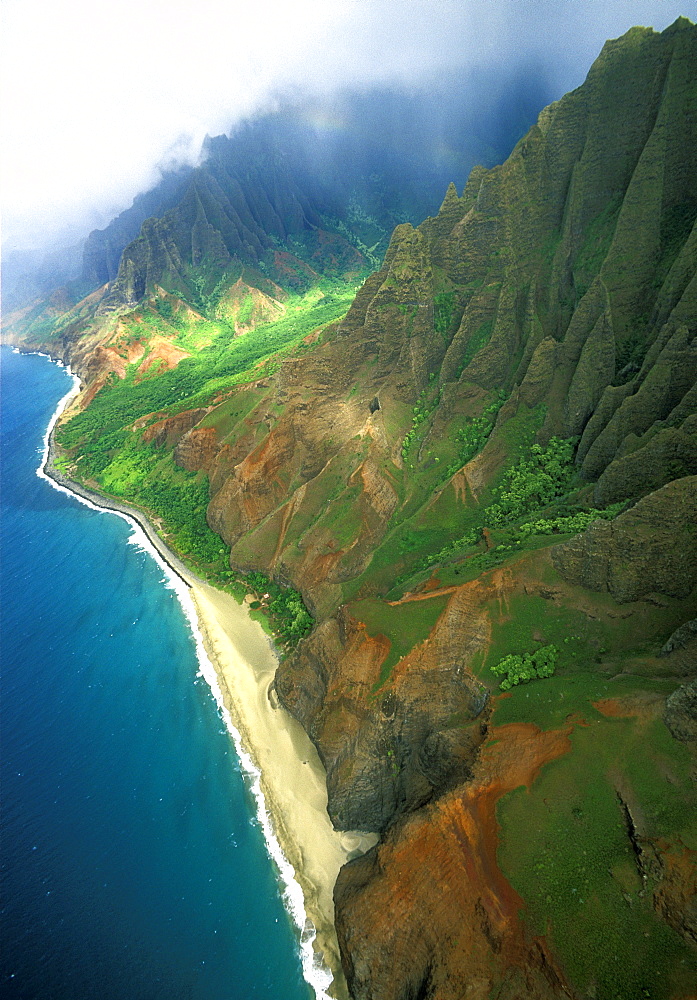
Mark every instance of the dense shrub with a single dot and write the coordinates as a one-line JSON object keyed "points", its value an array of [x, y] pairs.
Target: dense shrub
{"points": [[520, 668], [535, 481]]}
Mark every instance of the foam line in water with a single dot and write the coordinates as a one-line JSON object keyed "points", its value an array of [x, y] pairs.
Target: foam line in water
{"points": [[314, 971], [317, 975]]}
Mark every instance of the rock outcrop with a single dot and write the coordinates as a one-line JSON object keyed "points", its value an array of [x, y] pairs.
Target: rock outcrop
{"points": [[556, 297], [454, 918], [681, 713], [650, 548], [390, 745]]}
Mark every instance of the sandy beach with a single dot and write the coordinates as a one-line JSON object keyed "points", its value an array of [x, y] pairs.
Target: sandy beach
{"points": [[292, 776]]}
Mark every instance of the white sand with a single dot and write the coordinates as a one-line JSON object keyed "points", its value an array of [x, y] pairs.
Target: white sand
{"points": [[292, 776]]}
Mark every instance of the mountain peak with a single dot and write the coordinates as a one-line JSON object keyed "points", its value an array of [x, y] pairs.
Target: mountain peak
{"points": [[451, 198]]}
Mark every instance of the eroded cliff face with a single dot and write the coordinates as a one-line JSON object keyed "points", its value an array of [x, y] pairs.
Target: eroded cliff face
{"points": [[564, 281], [650, 548], [562, 278], [391, 745], [556, 298], [455, 926]]}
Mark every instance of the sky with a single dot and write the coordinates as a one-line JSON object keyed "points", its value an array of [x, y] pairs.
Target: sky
{"points": [[97, 96]]}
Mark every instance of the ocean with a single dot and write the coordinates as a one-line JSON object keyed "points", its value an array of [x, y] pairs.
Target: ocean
{"points": [[134, 865]]}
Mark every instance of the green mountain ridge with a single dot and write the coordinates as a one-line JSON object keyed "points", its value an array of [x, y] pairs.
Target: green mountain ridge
{"points": [[479, 469]]}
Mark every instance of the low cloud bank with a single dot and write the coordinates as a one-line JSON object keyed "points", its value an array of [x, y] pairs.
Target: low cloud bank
{"points": [[99, 98]]}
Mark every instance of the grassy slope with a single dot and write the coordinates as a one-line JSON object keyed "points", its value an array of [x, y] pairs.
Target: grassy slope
{"points": [[561, 866], [102, 447], [575, 865], [565, 842]]}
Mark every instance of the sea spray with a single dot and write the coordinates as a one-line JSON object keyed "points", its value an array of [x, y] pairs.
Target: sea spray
{"points": [[315, 973]]}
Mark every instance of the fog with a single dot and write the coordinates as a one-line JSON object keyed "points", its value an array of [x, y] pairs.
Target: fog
{"points": [[99, 98]]}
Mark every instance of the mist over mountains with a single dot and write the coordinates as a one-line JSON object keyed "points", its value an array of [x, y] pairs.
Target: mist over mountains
{"points": [[452, 464], [392, 151], [99, 101]]}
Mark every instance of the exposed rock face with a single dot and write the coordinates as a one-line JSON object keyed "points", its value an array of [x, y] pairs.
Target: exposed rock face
{"points": [[652, 427], [103, 247], [676, 898], [681, 638], [651, 547], [210, 227], [681, 713], [390, 747], [256, 202], [196, 449], [169, 431], [454, 919], [243, 306]]}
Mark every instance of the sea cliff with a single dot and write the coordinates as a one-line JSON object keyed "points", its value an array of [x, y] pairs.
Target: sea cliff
{"points": [[480, 476], [280, 761]]}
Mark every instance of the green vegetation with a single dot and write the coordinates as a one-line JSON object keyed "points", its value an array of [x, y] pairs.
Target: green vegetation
{"points": [[570, 524], [584, 884], [534, 482], [519, 668], [594, 647], [282, 607], [181, 504], [576, 867], [473, 436], [101, 429], [177, 501], [598, 237], [102, 447], [425, 405], [479, 339], [404, 625], [430, 524], [443, 305], [138, 473], [452, 548]]}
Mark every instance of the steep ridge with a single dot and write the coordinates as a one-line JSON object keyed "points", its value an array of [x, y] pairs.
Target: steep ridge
{"points": [[103, 248], [485, 469], [497, 292], [558, 292], [241, 205], [266, 215], [297, 192]]}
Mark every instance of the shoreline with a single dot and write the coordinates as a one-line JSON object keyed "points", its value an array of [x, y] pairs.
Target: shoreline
{"points": [[280, 762]]}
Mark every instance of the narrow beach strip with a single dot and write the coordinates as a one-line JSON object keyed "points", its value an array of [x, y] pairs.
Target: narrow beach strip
{"points": [[280, 763]]}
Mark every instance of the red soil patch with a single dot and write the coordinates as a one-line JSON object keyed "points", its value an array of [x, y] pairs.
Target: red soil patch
{"points": [[451, 911], [433, 583], [360, 667], [89, 394], [423, 596], [642, 705], [165, 353]]}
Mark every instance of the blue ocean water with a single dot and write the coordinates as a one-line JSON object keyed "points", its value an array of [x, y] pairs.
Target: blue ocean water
{"points": [[132, 865]]}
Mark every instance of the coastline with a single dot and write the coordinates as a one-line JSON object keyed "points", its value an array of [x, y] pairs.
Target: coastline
{"points": [[280, 762]]}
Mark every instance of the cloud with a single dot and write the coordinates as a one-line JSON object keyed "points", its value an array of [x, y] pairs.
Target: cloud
{"points": [[97, 95]]}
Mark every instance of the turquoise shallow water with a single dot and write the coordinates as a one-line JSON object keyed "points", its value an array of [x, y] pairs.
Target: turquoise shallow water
{"points": [[132, 865]]}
